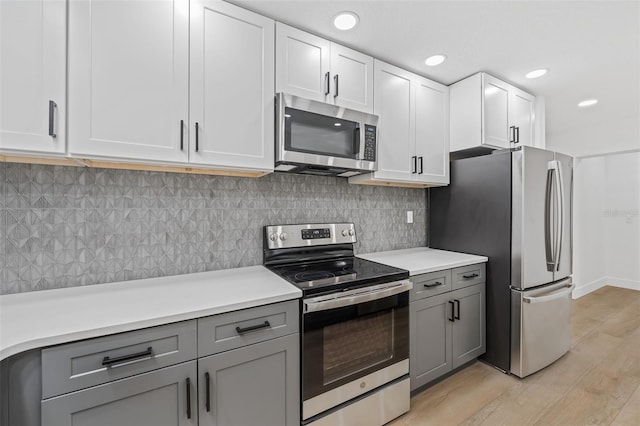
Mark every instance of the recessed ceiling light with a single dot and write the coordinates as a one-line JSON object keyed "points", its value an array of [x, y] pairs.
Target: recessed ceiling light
{"points": [[587, 103], [434, 60], [537, 73], [345, 20]]}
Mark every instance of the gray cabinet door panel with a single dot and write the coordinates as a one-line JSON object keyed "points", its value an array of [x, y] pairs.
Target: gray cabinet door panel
{"points": [[430, 339], [157, 398], [254, 385], [469, 326]]}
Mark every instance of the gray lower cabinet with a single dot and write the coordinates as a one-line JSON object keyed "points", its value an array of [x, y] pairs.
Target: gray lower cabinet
{"points": [[247, 374], [164, 397], [468, 328], [254, 385], [447, 330], [430, 339]]}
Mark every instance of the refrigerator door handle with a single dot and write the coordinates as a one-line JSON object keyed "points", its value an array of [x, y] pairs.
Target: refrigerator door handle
{"points": [[560, 210], [547, 218], [557, 294]]}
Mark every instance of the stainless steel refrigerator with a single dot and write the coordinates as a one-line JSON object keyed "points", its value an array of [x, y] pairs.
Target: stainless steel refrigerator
{"points": [[514, 206]]}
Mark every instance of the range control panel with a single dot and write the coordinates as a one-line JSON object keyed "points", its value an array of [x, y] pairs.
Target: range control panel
{"points": [[288, 236], [312, 234]]}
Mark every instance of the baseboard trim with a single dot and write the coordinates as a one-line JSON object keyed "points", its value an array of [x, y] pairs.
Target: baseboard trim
{"points": [[601, 282], [582, 290], [623, 283]]}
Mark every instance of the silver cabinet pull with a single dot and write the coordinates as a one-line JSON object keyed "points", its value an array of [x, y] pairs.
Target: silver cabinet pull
{"points": [[335, 83], [52, 119]]}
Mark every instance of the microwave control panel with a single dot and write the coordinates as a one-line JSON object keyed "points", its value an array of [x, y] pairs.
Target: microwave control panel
{"points": [[369, 143]]}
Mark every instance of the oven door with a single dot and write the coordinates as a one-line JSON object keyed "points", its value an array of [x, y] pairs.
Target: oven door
{"points": [[353, 342]]}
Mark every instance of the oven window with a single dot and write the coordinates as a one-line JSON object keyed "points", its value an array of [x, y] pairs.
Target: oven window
{"points": [[321, 134], [356, 345], [342, 344]]}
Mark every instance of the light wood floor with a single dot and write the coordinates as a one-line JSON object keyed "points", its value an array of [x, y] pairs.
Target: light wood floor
{"points": [[597, 382]]}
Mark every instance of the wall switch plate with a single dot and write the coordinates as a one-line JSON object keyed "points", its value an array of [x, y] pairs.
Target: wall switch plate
{"points": [[409, 216]]}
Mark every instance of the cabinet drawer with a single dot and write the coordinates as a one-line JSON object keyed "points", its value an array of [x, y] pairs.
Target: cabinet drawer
{"points": [[430, 284], [86, 363], [468, 275], [223, 332]]}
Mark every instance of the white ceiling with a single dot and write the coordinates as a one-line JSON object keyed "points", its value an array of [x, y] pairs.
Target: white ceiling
{"points": [[591, 47]]}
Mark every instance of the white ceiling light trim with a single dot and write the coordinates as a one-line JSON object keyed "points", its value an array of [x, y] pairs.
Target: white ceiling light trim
{"points": [[537, 73], [434, 60], [345, 21], [587, 103]]}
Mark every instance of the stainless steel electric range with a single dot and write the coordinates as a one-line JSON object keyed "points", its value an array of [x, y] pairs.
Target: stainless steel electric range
{"points": [[355, 324]]}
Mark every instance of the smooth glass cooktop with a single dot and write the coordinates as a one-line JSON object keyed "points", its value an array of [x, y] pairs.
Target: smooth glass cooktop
{"points": [[324, 274]]}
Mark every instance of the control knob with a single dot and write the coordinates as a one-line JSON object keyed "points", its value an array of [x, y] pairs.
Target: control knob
{"points": [[273, 237], [283, 236], [352, 232], [345, 232]]}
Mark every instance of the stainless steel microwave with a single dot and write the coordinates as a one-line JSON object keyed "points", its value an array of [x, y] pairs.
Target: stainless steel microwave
{"points": [[321, 139]]}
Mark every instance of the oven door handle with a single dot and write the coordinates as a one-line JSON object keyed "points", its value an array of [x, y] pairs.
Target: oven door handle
{"points": [[356, 296]]}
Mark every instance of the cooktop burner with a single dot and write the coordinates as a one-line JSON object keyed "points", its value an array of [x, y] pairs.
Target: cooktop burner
{"points": [[320, 276]]}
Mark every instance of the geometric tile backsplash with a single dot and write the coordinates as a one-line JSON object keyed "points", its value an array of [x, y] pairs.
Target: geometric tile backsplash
{"points": [[66, 226]]}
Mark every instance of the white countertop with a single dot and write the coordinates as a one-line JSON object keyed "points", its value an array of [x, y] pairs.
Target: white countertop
{"points": [[42, 318], [423, 259]]}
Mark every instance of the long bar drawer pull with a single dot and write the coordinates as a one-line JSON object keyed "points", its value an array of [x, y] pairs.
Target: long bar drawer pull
{"points": [[188, 383], [436, 284], [207, 387], [253, 327], [466, 277], [109, 362]]}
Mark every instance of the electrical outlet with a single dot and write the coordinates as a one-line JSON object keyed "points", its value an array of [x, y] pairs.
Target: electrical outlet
{"points": [[409, 216]]}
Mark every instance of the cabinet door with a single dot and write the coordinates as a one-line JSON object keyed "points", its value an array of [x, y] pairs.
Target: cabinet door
{"points": [[33, 71], [430, 339], [232, 102], [302, 63], [128, 78], [394, 103], [352, 78], [469, 326], [432, 131], [495, 112], [521, 115], [254, 385], [158, 398]]}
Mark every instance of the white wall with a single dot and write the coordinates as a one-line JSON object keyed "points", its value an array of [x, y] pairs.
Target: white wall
{"points": [[589, 262], [606, 222], [598, 139], [621, 219]]}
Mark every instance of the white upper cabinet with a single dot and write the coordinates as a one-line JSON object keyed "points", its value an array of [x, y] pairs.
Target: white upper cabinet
{"points": [[317, 69], [432, 131], [129, 79], [487, 112], [232, 86], [522, 116], [413, 136], [33, 72], [302, 63], [171, 82]]}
